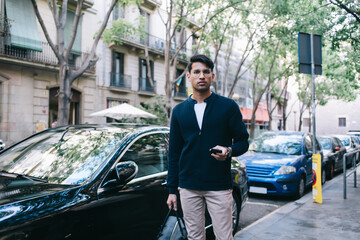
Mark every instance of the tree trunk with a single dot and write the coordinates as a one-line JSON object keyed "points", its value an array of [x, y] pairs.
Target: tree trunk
{"points": [[300, 120], [284, 113], [64, 96]]}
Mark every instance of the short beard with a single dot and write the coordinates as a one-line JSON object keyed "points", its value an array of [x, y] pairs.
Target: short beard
{"points": [[202, 90]]}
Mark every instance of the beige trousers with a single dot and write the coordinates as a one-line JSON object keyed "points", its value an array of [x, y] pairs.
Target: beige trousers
{"points": [[219, 205]]}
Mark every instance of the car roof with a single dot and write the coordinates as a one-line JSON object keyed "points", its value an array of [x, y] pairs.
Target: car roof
{"points": [[285, 133], [341, 136], [325, 136], [129, 126]]}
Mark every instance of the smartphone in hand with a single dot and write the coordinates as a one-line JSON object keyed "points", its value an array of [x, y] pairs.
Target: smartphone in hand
{"points": [[214, 150]]}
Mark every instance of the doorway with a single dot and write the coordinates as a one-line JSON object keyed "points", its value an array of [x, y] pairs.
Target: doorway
{"points": [[74, 115]]}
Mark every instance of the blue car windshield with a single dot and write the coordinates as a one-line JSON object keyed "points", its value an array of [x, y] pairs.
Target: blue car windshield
{"points": [[280, 144], [345, 141], [62, 156], [325, 143]]}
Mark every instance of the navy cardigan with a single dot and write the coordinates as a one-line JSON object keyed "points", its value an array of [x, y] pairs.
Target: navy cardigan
{"points": [[191, 165]]}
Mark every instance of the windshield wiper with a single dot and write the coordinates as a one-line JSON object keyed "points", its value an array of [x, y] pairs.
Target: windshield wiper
{"points": [[22, 176]]}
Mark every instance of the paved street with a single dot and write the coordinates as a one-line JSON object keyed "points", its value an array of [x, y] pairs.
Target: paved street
{"points": [[336, 218]]}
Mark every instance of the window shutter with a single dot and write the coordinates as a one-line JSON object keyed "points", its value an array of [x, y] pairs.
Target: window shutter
{"points": [[24, 32]]}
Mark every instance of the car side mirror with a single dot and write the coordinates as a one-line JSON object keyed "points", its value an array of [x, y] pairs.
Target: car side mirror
{"points": [[125, 172]]}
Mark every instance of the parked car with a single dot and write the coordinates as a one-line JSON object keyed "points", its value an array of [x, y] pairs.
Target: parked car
{"points": [[350, 146], [354, 133], [356, 141], [280, 163], [91, 182], [2, 145], [333, 151]]}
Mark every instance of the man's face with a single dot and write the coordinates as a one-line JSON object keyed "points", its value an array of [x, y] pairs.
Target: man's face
{"points": [[200, 77]]}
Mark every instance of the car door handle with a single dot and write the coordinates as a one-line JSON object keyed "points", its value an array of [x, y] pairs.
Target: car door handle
{"points": [[164, 183]]}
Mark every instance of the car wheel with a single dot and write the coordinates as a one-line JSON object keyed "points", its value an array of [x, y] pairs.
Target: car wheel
{"points": [[323, 176], [236, 207], [301, 188]]}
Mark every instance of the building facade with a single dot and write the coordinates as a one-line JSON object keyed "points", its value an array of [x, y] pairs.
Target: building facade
{"points": [[122, 71], [29, 79]]}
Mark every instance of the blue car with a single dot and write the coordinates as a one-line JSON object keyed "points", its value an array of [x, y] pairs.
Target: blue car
{"points": [[280, 163]]}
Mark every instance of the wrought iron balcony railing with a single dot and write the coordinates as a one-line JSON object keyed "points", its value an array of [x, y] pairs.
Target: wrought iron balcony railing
{"points": [[145, 86], [46, 56], [120, 80], [155, 43]]}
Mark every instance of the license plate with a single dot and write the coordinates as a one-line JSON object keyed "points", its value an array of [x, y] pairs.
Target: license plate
{"points": [[260, 190]]}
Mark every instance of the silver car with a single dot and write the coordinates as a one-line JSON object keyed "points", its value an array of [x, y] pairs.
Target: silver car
{"points": [[350, 146]]}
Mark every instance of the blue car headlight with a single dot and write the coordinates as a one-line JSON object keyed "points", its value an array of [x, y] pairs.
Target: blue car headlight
{"points": [[284, 170]]}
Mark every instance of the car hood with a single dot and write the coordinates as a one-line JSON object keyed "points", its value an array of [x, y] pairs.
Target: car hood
{"points": [[24, 200], [269, 159]]}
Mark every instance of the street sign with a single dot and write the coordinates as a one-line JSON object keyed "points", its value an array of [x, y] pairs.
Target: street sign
{"points": [[304, 53]]}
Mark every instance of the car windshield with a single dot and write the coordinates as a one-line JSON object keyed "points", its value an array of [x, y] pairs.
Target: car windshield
{"points": [[325, 143], [345, 141], [62, 156], [281, 144]]}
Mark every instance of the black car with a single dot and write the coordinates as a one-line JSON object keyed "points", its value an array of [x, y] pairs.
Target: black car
{"points": [[334, 151], [91, 182]]}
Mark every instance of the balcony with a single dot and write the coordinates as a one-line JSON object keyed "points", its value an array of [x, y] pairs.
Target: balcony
{"points": [[144, 85], [119, 80], [155, 44], [87, 3], [31, 57], [180, 92], [151, 4]]}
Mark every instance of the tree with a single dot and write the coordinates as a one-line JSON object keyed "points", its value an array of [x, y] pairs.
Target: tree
{"points": [[62, 48], [178, 14]]}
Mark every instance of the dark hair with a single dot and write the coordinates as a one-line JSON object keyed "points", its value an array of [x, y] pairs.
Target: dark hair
{"points": [[203, 59]]}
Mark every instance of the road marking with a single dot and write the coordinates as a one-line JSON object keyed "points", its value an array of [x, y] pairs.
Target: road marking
{"points": [[263, 204]]}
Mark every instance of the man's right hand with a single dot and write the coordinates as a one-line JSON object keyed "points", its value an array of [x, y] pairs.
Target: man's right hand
{"points": [[172, 201]]}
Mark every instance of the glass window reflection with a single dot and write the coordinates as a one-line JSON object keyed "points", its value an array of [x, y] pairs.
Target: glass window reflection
{"points": [[325, 143], [280, 144], [149, 153], [62, 157]]}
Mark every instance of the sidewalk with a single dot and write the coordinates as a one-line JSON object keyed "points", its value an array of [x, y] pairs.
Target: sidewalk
{"points": [[336, 218]]}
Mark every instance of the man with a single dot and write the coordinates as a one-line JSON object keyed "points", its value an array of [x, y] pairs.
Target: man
{"points": [[204, 121]]}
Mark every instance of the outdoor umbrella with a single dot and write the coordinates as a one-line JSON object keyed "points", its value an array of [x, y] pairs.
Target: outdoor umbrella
{"points": [[123, 111]]}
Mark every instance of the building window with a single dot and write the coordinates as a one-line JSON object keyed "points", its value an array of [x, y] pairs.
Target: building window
{"points": [[180, 85], [306, 122], [111, 102], [342, 122], [117, 78], [119, 11], [183, 40], [76, 48], [144, 83], [147, 21], [23, 25]]}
